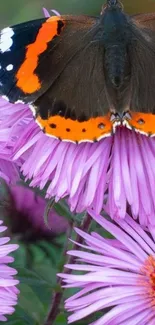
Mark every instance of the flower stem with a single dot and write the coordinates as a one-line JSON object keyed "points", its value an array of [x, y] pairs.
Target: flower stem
{"points": [[55, 305]]}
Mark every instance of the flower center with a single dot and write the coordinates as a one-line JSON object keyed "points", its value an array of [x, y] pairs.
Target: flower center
{"points": [[149, 270]]}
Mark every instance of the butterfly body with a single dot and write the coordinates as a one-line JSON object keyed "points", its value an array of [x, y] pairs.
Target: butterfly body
{"points": [[116, 38], [82, 76]]}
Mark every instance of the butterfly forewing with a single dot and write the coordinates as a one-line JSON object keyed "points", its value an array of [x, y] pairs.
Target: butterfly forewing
{"points": [[13, 44], [58, 68]]}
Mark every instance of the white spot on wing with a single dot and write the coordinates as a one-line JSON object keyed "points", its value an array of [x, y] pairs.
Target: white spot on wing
{"points": [[106, 135], [9, 67], [81, 141], [33, 109], [6, 39], [6, 98], [65, 140], [125, 123], [117, 123], [52, 136], [41, 127], [19, 101]]}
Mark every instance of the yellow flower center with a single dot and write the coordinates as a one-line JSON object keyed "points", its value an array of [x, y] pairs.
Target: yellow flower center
{"points": [[149, 270]]}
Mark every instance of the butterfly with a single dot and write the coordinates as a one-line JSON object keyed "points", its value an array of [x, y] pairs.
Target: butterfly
{"points": [[83, 76]]}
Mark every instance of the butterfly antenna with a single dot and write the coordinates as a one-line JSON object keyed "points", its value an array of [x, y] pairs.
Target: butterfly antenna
{"points": [[111, 3], [114, 3]]}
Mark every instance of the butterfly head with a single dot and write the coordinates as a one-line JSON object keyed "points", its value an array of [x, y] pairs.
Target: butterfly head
{"points": [[112, 4]]}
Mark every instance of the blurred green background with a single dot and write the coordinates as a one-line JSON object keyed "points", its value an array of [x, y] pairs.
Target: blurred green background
{"points": [[15, 11]]}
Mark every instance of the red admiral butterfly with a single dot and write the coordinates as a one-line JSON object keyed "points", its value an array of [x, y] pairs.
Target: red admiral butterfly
{"points": [[82, 76]]}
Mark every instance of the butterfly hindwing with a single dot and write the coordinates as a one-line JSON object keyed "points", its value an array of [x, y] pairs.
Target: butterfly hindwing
{"points": [[77, 93], [78, 98], [142, 79]]}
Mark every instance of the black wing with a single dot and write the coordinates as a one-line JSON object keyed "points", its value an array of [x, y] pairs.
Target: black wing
{"points": [[70, 71], [142, 58]]}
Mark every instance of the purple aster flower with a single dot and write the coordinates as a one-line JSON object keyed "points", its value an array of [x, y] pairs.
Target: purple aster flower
{"points": [[9, 171], [31, 212], [8, 289], [121, 165], [118, 274], [47, 14]]}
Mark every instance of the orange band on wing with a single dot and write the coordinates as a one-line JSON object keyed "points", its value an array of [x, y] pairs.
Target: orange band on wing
{"points": [[27, 80], [69, 130], [143, 122]]}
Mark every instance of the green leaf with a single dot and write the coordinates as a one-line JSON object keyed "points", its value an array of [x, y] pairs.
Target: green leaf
{"points": [[30, 277], [46, 273], [63, 209], [38, 254], [30, 303], [61, 319], [52, 251], [20, 255], [59, 240], [15, 322]]}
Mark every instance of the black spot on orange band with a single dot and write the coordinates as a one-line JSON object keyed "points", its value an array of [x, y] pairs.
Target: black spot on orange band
{"points": [[70, 130], [143, 122], [53, 126], [60, 26]]}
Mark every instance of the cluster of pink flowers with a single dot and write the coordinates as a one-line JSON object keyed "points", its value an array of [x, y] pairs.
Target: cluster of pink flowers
{"points": [[121, 165], [117, 175]]}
